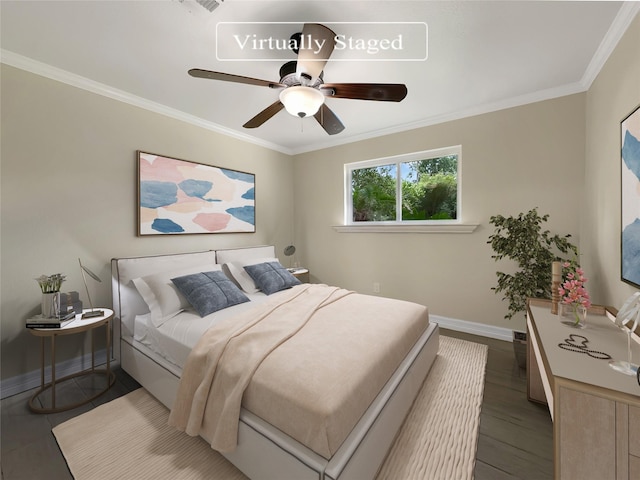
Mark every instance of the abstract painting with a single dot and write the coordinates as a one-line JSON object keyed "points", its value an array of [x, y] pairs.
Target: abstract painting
{"points": [[630, 155], [182, 197]]}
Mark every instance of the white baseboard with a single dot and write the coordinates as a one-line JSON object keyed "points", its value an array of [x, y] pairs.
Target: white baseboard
{"points": [[474, 328], [22, 383]]}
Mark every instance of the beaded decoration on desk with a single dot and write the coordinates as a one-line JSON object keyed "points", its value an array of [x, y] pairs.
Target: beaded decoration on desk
{"points": [[572, 345]]}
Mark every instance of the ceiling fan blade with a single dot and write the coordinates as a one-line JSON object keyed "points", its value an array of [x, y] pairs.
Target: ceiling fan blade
{"points": [[328, 120], [316, 45], [264, 115], [228, 77], [384, 92]]}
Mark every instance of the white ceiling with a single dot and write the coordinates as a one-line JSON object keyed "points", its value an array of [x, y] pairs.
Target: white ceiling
{"points": [[482, 56]]}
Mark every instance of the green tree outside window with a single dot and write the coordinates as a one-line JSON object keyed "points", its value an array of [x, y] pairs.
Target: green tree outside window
{"points": [[429, 190]]}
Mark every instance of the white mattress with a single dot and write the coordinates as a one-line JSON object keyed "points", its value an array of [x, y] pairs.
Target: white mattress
{"points": [[175, 338]]}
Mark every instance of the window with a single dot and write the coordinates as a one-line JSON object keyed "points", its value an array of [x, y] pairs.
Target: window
{"points": [[421, 188]]}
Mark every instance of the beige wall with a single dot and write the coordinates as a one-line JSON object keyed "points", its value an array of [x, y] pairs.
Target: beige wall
{"points": [[69, 191], [512, 160], [561, 155], [612, 96]]}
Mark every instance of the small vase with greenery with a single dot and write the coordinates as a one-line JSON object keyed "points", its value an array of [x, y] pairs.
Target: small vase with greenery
{"points": [[522, 240], [50, 286]]}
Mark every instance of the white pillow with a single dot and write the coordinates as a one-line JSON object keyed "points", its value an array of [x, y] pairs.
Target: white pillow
{"points": [[161, 295], [240, 275]]}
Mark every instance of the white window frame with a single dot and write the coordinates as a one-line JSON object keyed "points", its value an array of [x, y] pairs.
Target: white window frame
{"points": [[436, 226], [397, 160]]}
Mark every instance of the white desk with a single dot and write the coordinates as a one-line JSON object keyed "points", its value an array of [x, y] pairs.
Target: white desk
{"points": [[595, 410]]}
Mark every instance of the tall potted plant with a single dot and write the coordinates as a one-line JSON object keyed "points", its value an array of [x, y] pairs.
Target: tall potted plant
{"points": [[522, 240]]}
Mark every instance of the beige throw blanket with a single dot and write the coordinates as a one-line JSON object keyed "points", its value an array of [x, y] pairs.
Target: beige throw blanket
{"points": [[221, 365]]}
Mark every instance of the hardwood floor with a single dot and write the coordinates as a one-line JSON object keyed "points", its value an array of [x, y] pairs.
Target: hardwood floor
{"points": [[28, 449], [516, 436], [515, 439]]}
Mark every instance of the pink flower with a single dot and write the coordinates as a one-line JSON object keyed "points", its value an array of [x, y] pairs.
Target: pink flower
{"points": [[572, 289]]}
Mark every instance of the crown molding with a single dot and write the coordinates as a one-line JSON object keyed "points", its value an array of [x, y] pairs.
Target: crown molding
{"points": [[45, 70], [619, 26], [533, 97]]}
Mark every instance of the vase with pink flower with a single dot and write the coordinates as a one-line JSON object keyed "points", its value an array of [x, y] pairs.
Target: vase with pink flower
{"points": [[574, 297]]}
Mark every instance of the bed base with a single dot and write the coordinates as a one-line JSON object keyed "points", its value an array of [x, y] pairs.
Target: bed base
{"points": [[264, 452]]}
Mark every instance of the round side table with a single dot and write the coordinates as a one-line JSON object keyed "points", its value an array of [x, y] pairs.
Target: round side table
{"points": [[300, 273], [78, 325]]}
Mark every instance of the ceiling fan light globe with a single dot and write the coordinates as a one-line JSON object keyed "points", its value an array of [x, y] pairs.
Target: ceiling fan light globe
{"points": [[301, 101]]}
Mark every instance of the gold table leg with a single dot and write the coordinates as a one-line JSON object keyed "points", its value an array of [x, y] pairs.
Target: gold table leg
{"points": [[110, 376], [53, 372]]}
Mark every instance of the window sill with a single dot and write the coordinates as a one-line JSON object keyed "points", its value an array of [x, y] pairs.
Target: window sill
{"points": [[445, 228]]}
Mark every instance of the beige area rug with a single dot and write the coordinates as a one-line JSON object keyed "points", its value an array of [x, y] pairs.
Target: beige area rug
{"points": [[128, 438]]}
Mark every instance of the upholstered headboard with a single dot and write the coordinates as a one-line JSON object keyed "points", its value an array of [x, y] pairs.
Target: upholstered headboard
{"points": [[241, 254], [127, 302]]}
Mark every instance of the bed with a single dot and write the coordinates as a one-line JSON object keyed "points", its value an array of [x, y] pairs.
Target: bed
{"points": [[347, 436]]}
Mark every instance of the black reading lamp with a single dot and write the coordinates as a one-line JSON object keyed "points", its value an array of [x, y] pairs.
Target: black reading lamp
{"points": [[92, 313]]}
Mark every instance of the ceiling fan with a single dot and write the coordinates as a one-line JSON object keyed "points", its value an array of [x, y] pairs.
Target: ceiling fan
{"points": [[302, 86]]}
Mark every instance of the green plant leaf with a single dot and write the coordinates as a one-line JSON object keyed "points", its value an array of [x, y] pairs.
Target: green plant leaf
{"points": [[522, 240]]}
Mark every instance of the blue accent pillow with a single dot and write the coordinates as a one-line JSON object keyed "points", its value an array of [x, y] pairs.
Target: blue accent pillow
{"points": [[209, 292], [271, 277]]}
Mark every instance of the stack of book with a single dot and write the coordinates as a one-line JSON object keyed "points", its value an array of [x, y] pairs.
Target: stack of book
{"points": [[53, 322]]}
